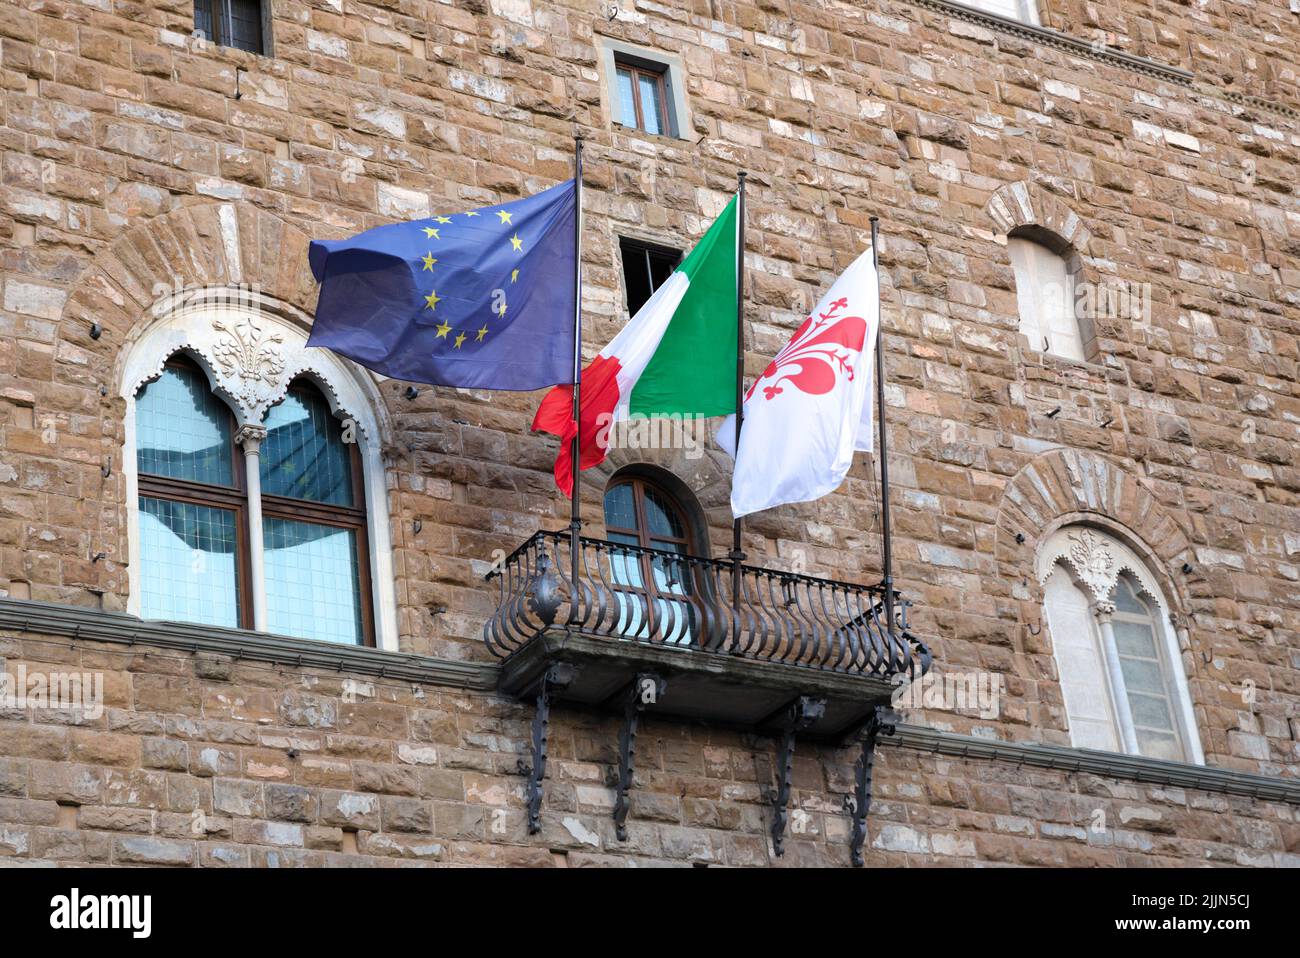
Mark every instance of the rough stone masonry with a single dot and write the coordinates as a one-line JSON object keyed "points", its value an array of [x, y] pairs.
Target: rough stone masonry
{"points": [[1172, 162]]}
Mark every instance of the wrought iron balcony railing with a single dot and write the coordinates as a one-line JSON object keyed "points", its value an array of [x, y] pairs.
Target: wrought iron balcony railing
{"points": [[618, 626], [672, 600]]}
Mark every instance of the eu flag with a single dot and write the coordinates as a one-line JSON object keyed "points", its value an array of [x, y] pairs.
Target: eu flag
{"points": [[483, 299]]}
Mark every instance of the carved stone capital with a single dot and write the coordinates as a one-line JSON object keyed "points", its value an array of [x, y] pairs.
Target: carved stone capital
{"points": [[251, 437]]}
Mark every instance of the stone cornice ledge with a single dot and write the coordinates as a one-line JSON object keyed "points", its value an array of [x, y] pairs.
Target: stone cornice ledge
{"points": [[95, 625], [1063, 758], [1061, 41]]}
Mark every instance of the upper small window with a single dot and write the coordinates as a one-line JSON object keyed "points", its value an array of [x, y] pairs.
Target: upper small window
{"points": [[234, 23], [1045, 294], [646, 267], [642, 97], [1026, 11]]}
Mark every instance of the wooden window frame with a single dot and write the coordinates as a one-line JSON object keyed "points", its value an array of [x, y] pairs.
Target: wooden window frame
{"points": [[352, 517], [234, 498], [660, 77], [640, 484], [216, 12]]}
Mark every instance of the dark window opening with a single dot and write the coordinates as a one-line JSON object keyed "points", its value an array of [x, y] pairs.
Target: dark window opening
{"points": [[234, 23], [645, 268]]}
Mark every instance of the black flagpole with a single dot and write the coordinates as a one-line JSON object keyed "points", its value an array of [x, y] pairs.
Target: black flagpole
{"points": [[575, 509], [737, 556], [887, 558]]}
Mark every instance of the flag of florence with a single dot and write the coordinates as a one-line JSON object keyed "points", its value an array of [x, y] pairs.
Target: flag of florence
{"points": [[811, 409]]}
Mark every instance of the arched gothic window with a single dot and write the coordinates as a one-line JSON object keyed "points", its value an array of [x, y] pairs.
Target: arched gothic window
{"points": [[1116, 650], [196, 558], [255, 483]]}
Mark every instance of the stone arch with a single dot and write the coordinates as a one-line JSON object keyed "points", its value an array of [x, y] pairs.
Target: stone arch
{"points": [[201, 245], [1070, 486], [1027, 206], [707, 477]]}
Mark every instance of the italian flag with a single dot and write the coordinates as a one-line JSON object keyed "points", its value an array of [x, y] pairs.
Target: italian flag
{"points": [[676, 355]]}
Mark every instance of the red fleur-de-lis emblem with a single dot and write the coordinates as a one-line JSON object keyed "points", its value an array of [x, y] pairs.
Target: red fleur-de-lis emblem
{"points": [[817, 355]]}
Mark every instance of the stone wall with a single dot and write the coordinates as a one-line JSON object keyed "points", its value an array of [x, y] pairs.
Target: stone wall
{"points": [[206, 760], [123, 140]]}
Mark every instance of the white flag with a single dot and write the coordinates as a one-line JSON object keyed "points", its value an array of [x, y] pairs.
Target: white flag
{"points": [[811, 408]]}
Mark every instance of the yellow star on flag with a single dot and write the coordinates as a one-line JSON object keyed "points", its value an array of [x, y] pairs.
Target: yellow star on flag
{"points": [[471, 213], [433, 299], [481, 333], [443, 219], [431, 233], [429, 261], [501, 310], [514, 275], [443, 330], [516, 243], [505, 217], [460, 338]]}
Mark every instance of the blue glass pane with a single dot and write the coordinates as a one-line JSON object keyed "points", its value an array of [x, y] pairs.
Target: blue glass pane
{"points": [[187, 563], [1126, 598], [182, 430], [304, 456], [626, 99], [203, 17], [245, 25], [651, 107], [620, 509], [661, 515], [313, 589], [1134, 639], [625, 564]]}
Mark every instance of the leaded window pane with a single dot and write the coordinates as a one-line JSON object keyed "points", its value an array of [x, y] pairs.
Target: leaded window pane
{"points": [[304, 455], [182, 430], [312, 581], [187, 563], [651, 103]]}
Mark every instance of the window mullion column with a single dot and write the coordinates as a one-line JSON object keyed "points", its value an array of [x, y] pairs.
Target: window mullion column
{"points": [[250, 438], [1123, 711]]}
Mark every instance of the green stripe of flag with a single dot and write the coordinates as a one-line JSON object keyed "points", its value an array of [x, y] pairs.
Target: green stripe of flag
{"points": [[693, 372]]}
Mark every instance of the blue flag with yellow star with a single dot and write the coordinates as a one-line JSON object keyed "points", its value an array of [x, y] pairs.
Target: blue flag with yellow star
{"points": [[483, 299]]}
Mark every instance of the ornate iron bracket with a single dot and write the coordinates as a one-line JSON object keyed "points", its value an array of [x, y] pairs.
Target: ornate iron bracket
{"points": [[802, 712], [558, 676], [883, 721], [645, 690]]}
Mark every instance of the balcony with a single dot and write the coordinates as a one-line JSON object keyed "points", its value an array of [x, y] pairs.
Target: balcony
{"points": [[626, 628]]}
